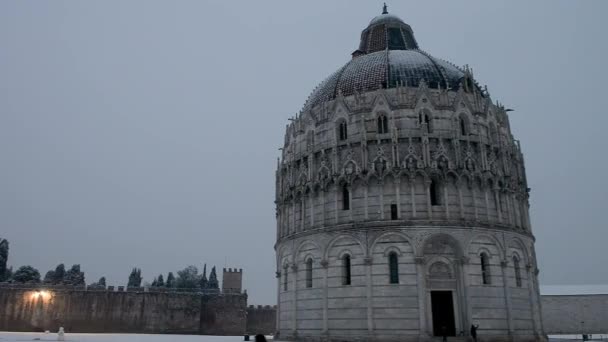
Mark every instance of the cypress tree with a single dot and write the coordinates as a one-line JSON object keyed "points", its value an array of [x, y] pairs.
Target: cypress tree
{"points": [[3, 260], [213, 283], [135, 278], [204, 282], [170, 280]]}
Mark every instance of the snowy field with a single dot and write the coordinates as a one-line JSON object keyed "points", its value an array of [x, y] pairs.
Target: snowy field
{"points": [[14, 337]]}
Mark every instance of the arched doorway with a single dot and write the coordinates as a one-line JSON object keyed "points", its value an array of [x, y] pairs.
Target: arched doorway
{"points": [[444, 299]]}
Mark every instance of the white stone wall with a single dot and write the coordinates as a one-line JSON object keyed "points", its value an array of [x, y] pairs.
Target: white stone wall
{"points": [[457, 194], [370, 306], [578, 314]]}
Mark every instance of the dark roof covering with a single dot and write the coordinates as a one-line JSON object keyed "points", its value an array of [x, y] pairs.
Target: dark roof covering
{"points": [[388, 55], [386, 69]]}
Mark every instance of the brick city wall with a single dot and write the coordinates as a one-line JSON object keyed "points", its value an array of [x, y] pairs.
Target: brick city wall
{"points": [[132, 311], [261, 319], [575, 314]]}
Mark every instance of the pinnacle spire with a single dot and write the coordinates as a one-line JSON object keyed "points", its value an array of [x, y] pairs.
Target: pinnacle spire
{"points": [[384, 9]]}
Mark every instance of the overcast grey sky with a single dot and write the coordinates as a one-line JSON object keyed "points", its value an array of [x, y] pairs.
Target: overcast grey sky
{"points": [[145, 133]]}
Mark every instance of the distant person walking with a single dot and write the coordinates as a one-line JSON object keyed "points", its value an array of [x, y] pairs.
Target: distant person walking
{"points": [[260, 338], [474, 332], [444, 333]]}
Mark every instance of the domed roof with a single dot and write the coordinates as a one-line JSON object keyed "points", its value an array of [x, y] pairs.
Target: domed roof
{"points": [[388, 56]]}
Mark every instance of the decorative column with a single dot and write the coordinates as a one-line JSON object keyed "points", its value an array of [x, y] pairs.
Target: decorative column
{"points": [[474, 202], [323, 209], [487, 205], [294, 225], [497, 204], [312, 209], [366, 204], [531, 298], [336, 195], [413, 197], [303, 214], [460, 202], [350, 203], [294, 268], [429, 208], [381, 185], [325, 264], [466, 304], [368, 278], [421, 282], [446, 200], [503, 265], [398, 197], [278, 318]]}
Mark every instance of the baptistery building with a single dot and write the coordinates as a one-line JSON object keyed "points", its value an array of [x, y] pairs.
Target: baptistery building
{"points": [[402, 204]]}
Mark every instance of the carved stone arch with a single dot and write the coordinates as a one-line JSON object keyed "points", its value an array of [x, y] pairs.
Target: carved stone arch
{"points": [[371, 177], [437, 176], [333, 241], [499, 246], [467, 179], [358, 181], [484, 250], [304, 243], [440, 268], [343, 252], [437, 244], [454, 176], [387, 234], [404, 175], [425, 175], [392, 249], [516, 254], [517, 243], [489, 182], [284, 257]]}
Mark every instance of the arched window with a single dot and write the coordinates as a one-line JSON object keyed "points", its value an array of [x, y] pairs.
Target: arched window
{"points": [[425, 118], [309, 273], [345, 198], [382, 124], [517, 271], [464, 125], [435, 192], [342, 131], [393, 268], [485, 268], [285, 279], [346, 269]]}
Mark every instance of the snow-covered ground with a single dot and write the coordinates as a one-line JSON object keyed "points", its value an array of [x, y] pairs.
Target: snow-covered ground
{"points": [[14, 337]]}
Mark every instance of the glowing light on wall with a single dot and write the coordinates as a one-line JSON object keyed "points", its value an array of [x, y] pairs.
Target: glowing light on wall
{"points": [[41, 295]]}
